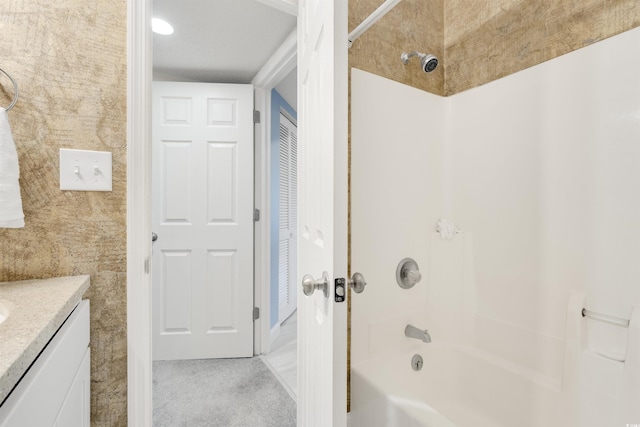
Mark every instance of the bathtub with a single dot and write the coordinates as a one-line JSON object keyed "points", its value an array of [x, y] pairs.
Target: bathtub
{"points": [[457, 386]]}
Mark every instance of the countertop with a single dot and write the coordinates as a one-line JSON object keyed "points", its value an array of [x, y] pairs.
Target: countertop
{"points": [[38, 309]]}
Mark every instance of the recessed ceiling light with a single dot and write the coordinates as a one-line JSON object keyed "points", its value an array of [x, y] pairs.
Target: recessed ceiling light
{"points": [[160, 26]]}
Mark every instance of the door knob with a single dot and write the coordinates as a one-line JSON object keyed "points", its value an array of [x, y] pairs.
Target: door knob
{"points": [[357, 283], [154, 237], [309, 284]]}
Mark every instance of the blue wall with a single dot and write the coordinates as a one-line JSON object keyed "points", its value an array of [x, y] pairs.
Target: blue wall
{"points": [[278, 104]]}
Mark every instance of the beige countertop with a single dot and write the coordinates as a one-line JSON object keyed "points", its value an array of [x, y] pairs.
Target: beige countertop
{"points": [[37, 309]]}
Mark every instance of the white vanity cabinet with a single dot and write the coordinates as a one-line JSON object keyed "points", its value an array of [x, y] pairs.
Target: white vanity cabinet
{"points": [[55, 389]]}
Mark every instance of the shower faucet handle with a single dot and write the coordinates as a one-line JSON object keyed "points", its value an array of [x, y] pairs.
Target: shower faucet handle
{"points": [[408, 273]]}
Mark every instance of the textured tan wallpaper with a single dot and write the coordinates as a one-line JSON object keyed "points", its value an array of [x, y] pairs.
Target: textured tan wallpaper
{"points": [[480, 41], [69, 60], [411, 25], [486, 40]]}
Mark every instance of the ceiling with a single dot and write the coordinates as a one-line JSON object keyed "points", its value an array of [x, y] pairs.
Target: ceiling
{"points": [[219, 41]]}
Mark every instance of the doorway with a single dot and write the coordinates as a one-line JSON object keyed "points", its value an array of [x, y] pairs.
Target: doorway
{"points": [[138, 291], [164, 74], [282, 354]]}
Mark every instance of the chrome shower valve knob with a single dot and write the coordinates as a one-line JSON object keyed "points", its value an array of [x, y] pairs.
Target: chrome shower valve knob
{"points": [[408, 273]]}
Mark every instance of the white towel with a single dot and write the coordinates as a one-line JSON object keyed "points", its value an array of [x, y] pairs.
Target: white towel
{"points": [[11, 215]]}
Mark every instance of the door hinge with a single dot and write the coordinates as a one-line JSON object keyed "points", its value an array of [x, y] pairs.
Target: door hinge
{"points": [[256, 116], [256, 215], [256, 313]]}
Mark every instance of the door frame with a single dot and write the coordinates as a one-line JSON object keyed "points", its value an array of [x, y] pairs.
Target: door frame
{"points": [[283, 61], [139, 79]]}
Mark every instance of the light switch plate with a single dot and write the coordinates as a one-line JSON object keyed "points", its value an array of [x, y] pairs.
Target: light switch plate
{"points": [[84, 170]]}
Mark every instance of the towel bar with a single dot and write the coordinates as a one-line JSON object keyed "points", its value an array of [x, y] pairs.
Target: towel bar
{"points": [[15, 90], [605, 318]]}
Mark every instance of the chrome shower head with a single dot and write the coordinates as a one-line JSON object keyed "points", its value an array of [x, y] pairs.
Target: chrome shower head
{"points": [[429, 62]]}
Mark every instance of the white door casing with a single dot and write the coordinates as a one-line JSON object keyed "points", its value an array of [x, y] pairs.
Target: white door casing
{"points": [[202, 212], [322, 202], [288, 224], [139, 42]]}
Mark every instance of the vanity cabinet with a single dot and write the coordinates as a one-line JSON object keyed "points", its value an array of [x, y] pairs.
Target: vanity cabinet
{"points": [[55, 389]]}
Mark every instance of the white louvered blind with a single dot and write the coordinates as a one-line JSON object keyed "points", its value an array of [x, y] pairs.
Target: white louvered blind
{"points": [[287, 218]]}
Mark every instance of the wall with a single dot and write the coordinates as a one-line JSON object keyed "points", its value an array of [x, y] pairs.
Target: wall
{"points": [[480, 41], [69, 60], [396, 198], [484, 41], [411, 25], [278, 104], [541, 174], [539, 170]]}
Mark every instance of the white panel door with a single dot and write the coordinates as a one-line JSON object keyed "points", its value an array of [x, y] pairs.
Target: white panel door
{"points": [[322, 202], [202, 212], [288, 219]]}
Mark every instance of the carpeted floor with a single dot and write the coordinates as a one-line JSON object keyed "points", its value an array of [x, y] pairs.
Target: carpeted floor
{"points": [[219, 392]]}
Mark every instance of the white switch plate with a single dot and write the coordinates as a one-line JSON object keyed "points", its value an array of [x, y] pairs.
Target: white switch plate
{"points": [[84, 170]]}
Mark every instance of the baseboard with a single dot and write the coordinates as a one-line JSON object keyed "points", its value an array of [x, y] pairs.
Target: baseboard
{"points": [[281, 380]]}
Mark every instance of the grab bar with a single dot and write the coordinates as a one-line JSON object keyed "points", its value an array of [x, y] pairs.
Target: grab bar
{"points": [[605, 318]]}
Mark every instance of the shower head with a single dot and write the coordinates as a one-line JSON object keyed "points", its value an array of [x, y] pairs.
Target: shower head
{"points": [[428, 61]]}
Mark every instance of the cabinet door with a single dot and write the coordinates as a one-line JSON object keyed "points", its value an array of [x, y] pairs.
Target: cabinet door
{"points": [[75, 411], [39, 396]]}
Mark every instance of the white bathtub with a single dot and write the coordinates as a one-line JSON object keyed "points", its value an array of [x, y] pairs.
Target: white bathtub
{"points": [[456, 387]]}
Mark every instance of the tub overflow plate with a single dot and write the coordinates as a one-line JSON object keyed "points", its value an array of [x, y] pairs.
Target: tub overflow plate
{"points": [[417, 362]]}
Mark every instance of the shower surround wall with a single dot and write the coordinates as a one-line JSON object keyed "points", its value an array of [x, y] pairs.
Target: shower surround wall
{"points": [[480, 41], [69, 60], [540, 171]]}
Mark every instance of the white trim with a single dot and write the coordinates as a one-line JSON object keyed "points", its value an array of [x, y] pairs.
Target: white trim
{"points": [[261, 229], [288, 116], [139, 42], [277, 374], [283, 61], [274, 332], [287, 6]]}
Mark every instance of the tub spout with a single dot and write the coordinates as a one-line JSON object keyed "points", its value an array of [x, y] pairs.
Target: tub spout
{"points": [[420, 334]]}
